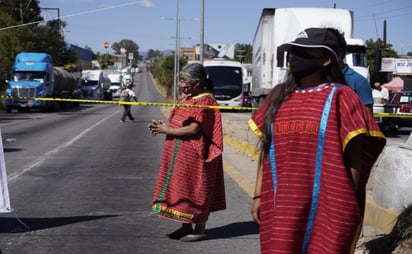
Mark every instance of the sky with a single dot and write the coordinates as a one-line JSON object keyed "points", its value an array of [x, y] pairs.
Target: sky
{"points": [[151, 24]]}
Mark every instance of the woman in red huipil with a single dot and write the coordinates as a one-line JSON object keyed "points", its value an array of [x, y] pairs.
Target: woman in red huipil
{"points": [[318, 145], [190, 182]]}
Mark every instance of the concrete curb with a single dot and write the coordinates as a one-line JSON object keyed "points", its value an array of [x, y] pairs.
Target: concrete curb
{"points": [[378, 216], [242, 147]]}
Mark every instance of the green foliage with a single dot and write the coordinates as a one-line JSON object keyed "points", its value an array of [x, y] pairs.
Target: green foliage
{"points": [[105, 60], [243, 53], [23, 11], [151, 54], [162, 70], [23, 29], [371, 50]]}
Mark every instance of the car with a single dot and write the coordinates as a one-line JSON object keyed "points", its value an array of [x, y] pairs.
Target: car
{"points": [[398, 103]]}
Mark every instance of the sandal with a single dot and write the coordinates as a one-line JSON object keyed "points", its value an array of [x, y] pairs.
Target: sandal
{"points": [[179, 233], [193, 237]]}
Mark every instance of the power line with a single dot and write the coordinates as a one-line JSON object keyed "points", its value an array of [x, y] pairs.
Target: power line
{"points": [[76, 14]]}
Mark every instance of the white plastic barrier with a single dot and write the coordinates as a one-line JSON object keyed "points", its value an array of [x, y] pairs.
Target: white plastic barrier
{"points": [[4, 191], [392, 180]]}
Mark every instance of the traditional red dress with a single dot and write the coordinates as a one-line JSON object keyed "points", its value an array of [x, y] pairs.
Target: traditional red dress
{"points": [[190, 182], [308, 203]]}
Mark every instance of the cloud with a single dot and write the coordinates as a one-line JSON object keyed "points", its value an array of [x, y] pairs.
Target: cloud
{"points": [[146, 3]]}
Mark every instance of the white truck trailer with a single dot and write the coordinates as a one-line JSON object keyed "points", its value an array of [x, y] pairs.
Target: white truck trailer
{"points": [[278, 26]]}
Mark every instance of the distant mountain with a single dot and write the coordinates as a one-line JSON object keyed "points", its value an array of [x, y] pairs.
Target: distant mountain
{"points": [[166, 52]]}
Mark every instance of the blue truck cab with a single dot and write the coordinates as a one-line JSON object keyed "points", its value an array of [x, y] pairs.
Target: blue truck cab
{"points": [[31, 78]]}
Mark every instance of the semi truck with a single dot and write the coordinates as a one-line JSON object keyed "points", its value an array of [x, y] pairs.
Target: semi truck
{"points": [[95, 85], [282, 25], [116, 84], [34, 77]]}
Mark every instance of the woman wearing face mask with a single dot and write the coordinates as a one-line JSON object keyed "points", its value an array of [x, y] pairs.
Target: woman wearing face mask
{"points": [[190, 182], [318, 145]]}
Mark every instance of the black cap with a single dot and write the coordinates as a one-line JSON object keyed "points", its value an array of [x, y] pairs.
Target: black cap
{"points": [[316, 38]]}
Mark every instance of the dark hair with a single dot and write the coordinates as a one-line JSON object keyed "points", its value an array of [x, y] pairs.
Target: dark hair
{"points": [[341, 41], [197, 72], [331, 74]]}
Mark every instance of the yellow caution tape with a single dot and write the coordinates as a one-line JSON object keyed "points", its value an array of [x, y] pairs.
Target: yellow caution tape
{"points": [[407, 115], [157, 104], [161, 104]]}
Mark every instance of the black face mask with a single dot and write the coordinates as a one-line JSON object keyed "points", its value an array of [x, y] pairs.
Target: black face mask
{"points": [[302, 66]]}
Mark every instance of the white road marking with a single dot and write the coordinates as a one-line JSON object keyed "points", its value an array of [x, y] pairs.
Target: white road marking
{"points": [[13, 177]]}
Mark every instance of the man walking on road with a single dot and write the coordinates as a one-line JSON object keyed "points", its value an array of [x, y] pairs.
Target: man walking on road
{"points": [[125, 96]]}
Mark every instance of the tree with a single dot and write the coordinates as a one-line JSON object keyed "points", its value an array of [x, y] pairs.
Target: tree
{"points": [[375, 51], [23, 30], [13, 37], [163, 71], [152, 54], [243, 53], [55, 44], [105, 60], [23, 11], [130, 47]]}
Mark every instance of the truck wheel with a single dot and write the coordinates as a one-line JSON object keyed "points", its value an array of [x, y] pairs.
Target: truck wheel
{"points": [[8, 109], [108, 96], [389, 126], [25, 110], [255, 102], [55, 106]]}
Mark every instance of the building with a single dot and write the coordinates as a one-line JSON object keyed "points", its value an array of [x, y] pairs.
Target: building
{"points": [[85, 57], [210, 51]]}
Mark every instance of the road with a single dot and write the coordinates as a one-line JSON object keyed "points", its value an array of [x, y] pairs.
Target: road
{"points": [[82, 182]]}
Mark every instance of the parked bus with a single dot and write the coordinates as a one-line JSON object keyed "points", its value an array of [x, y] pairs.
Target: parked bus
{"points": [[228, 81]]}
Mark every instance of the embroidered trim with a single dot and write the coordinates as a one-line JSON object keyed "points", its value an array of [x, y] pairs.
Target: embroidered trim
{"points": [[171, 212], [309, 127], [254, 128], [318, 169], [315, 88], [169, 175], [355, 133]]}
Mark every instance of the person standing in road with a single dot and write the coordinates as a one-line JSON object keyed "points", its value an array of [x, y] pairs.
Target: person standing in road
{"points": [[190, 183], [355, 80], [383, 91], [125, 96], [318, 145]]}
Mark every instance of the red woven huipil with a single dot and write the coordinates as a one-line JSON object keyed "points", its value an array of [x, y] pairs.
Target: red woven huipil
{"points": [[339, 211], [190, 182]]}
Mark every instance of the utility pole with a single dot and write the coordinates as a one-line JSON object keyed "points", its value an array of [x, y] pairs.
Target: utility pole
{"points": [[240, 54], [202, 29], [21, 10], [58, 18], [176, 69]]}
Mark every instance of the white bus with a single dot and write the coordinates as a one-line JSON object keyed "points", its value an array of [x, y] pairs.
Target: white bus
{"points": [[227, 78]]}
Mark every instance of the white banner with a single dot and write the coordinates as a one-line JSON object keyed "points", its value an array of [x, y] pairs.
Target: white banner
{"points": [[4, 191]]}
